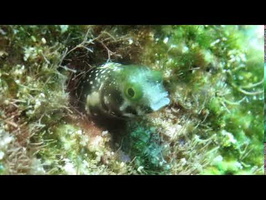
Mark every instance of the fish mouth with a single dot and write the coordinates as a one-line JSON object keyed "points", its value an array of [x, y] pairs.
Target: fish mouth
{"points": [[157, 104]]}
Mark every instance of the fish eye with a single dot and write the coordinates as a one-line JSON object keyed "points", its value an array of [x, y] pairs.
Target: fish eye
{"points": [[131, 92]]}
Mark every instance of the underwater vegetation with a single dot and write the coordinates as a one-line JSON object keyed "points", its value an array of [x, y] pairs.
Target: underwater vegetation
{"points": [[210, 119], [264, 102]]}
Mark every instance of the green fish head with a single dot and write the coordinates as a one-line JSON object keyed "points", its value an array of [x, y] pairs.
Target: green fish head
{"points": [[144, 89]]}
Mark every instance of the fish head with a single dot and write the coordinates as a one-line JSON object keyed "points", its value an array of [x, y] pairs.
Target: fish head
{"points": [[144, 90]]}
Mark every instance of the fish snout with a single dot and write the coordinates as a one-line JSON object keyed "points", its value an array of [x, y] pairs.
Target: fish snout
{"points": [[160, 101]]}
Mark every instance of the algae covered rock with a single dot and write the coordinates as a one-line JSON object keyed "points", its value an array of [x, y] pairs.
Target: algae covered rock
{"points": [[209, 122]]}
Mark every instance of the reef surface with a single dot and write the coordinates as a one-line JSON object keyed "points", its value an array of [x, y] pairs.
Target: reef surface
{"points": [[214, 124]]}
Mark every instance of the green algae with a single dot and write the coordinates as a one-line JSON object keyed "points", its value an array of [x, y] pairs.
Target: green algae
{"points": [[214, 75], [264, 84]]}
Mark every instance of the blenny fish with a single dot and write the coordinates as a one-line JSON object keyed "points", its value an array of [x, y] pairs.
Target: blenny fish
{"points": [[122, 91]]}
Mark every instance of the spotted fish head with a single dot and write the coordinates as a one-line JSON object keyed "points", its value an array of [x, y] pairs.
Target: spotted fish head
{"points": [[123, 91], [143, 90]]}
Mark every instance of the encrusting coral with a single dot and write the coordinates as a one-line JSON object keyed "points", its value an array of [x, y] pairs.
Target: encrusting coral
{"points": [[213, 125]]}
